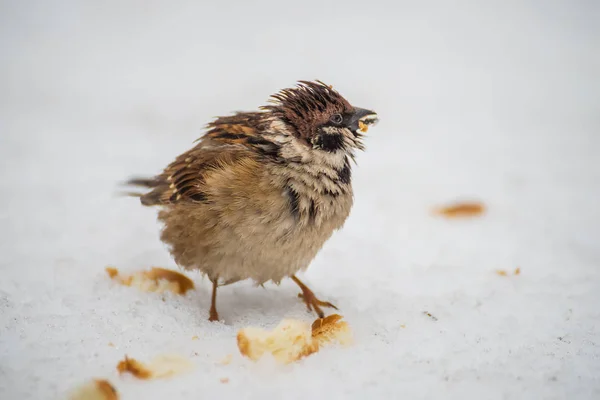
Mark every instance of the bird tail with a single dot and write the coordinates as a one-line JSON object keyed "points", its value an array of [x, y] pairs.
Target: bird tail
{"points": [[150, 198], [145, 182]]}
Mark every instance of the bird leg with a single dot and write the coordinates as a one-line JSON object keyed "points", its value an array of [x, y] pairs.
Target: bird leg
{"points": [[310, 299], [214, 316]]}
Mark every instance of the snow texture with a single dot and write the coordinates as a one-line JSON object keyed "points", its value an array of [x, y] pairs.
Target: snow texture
{"points": [[494, 101]]}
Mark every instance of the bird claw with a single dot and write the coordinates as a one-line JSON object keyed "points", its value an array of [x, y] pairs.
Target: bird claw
{"points": [[312, 302]]}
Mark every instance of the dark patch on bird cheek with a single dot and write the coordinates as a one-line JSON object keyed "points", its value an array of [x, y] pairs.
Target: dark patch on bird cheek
{"points": [[329, 142], [345, 174]]}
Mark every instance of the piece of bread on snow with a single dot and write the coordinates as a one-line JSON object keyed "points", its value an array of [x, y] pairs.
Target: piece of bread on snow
{"points": [[288, 342], [461, 210], [331, 329], [293, 339], [154, 280], [163, 366], [98, 389]]}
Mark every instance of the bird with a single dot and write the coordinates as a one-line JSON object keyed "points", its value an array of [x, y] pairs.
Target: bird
{"points": [[260, 192]]}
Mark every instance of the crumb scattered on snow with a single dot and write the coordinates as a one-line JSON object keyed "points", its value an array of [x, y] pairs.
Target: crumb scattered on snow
{"points": [[154, 280], [163, 366], [98, 389], [227, 360], [461, 210], [503, 272]]}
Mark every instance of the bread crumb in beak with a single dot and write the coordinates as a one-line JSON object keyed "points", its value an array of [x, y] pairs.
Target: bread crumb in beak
{"points": [[363, 127]]}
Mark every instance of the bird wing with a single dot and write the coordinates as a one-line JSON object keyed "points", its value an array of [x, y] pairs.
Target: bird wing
{"points": [[231, 144]]}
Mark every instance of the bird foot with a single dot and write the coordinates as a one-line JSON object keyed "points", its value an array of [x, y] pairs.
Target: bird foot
{"points": [[313, 303], [214, 316]]}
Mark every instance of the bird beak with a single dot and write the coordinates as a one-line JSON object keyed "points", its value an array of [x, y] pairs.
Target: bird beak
{"points": [[362, 119]]}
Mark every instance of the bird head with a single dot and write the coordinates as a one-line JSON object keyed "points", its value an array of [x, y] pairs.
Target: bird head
{"points": [[321, 118]]}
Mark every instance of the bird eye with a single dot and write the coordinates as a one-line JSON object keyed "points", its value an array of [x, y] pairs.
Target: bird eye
{"points": [[336, 118]]}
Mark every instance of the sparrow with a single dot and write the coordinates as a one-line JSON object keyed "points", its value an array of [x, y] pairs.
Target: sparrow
{"points": [[261, 192]]}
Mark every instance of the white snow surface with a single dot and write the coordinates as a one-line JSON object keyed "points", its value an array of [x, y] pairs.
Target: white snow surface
{"points": [[493, 101]]}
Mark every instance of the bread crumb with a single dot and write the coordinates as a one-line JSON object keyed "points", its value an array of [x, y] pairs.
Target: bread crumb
{"points": [[112, 271], [503, 272], [224, 380], [160, 367], [461, 210], [288, 342], [226, 360], [363, 127], [195, 337], [156, 279], [134, 367], [331, 329], [292, 340], [111, 344], [98, 389]]}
